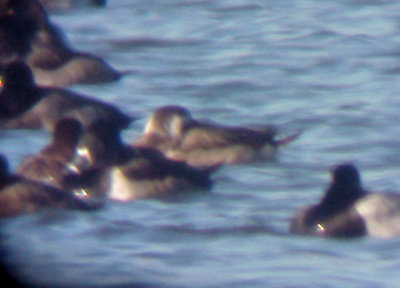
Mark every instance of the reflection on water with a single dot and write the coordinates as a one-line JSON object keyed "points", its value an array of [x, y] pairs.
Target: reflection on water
{"points": [[328, 68]]}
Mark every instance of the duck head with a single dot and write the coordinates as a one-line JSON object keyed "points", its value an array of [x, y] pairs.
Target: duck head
{"points": [[24, 9], [345, 188], [169, 122], [99, 146]]}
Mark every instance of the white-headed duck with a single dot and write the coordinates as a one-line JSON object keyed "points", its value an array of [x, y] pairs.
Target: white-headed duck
{"points": [[172, 130]]}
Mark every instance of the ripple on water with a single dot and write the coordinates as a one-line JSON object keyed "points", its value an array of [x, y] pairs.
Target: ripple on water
{"points": [[327, 68]]}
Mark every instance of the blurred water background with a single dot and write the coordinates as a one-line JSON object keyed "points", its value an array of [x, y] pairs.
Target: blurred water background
{"points": [[329, 68]]}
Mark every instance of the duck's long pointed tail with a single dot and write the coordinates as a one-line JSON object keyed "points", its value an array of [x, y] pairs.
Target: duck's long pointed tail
{"points": [[288, 139]]}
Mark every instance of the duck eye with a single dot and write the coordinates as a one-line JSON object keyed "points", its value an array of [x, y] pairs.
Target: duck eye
{"points": [[1, 82]]}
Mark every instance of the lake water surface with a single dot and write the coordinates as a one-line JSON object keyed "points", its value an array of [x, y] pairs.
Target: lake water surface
{"points": [[328, 68]]}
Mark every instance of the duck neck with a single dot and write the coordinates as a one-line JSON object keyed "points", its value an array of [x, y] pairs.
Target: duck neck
{"points": [[16, 99], [7, 179], [339, 198]]}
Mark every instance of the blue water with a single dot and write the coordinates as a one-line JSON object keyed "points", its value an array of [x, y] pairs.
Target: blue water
{"points": [[328, 68]]}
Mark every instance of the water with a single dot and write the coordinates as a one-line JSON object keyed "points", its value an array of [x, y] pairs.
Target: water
{"points": [[329, 68]]}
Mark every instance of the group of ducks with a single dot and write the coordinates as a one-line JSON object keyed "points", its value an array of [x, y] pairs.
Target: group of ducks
{"points": [[87, 159]]}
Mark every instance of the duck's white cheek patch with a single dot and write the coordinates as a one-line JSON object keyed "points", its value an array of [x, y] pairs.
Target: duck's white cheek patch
{"points": [[381, 214], [150, 126]]}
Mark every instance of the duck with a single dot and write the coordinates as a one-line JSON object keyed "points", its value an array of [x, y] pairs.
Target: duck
{"points": [[26, 105], [51, 163], [16, 33], [104, 166], [347, 210], [172, 130], [20, 196], [67, 4], [28, 35]]}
